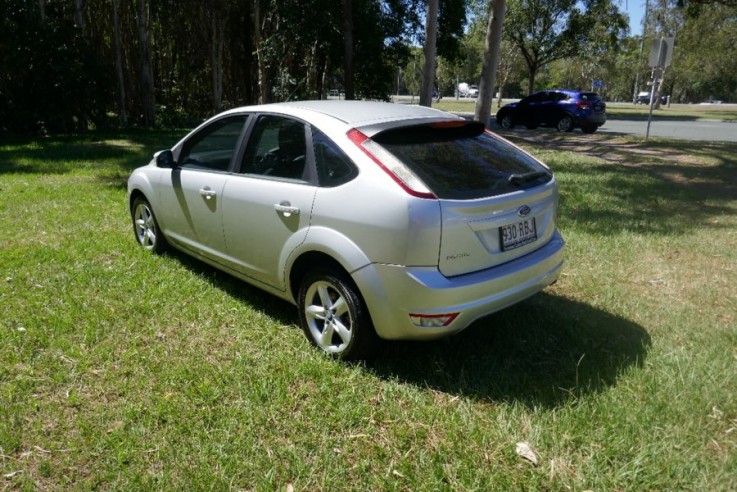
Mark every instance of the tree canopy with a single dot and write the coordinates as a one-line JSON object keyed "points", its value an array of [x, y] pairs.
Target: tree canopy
{"points": [[69, 65]]}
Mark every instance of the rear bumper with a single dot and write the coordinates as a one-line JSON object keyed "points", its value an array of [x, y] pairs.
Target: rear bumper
{"points": [[593, 119], [393, 292]]}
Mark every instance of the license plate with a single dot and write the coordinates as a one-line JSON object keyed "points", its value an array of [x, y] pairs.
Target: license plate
{"points": [[518, 234]]}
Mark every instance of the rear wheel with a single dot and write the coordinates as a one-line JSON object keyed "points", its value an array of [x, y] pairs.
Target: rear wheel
{"points": [[145, 226], [565, 124], [334, 316]]}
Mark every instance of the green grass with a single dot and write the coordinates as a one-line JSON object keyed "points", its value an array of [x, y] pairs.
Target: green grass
{"points": [[124, 370]]}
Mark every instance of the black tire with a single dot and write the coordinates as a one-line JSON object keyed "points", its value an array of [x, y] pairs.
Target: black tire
{"points": [[505, 121], [565, 124], [146, 228], [334, 317], [589, 129]]}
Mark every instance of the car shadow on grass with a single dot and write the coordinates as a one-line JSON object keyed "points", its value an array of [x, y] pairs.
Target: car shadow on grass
{"points": [[543, 352]]}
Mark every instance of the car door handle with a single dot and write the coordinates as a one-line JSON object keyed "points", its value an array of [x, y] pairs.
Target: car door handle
{"points": [[207, 193], [286, 209]]}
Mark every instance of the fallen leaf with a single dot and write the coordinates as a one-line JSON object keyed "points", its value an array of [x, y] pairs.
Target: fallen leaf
{"points": [[525, 451]]}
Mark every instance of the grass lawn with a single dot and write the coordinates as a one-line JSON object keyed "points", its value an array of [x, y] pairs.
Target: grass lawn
{"points": [[124, 370]]}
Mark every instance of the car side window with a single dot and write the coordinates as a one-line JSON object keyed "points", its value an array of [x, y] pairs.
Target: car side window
{"points": [[213, 147], [333, 166], [277, 147]]}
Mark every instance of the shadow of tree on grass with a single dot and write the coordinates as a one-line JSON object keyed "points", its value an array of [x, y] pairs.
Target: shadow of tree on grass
{"points": [[101, 152], [650, 187]]}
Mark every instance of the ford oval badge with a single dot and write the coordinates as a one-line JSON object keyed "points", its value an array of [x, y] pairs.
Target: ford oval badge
{"points": [[524, 210]]}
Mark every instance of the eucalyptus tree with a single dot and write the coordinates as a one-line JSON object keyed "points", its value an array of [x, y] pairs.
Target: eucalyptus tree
{"points": [[549, 30]]}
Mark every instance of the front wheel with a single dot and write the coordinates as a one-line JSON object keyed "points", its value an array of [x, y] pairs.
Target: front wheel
{"points": [[334, 316], [145, 226], [565, 124], [505, 121]]}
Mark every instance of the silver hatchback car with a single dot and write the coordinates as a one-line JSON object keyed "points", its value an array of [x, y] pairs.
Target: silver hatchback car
{"points": [[377, 220]]}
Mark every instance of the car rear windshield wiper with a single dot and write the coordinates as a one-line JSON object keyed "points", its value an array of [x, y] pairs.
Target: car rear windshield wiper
{"points": [[520, 179]]}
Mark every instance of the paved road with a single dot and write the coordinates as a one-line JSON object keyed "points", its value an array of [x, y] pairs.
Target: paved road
{"points": [[714, 131]]}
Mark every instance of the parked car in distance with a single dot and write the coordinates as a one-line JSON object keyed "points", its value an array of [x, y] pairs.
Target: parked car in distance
{"points": [[377, 220], [562, 109], [644, 98], [466, 90]]}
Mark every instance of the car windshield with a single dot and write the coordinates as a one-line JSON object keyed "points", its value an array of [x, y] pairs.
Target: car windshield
{"points": [[463, 162]]}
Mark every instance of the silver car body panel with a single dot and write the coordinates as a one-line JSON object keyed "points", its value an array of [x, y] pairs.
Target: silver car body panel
{"points": [[471, 228], [407, 255]]}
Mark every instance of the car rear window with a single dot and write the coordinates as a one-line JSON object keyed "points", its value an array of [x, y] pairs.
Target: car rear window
{"points": [[589, 96], [463, 162]]}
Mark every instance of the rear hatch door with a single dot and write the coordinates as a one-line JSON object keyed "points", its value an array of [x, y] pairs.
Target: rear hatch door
{"points": [[497, 202]]}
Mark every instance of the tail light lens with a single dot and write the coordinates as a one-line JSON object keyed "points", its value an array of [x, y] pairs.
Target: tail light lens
{"points": [[585, 104], [395, 168]]}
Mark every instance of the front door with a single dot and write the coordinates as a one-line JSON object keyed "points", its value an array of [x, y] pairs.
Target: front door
{"points": [[191, 200]]}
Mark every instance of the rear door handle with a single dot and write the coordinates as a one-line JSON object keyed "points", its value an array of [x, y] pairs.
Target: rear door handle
{"points": [[207, 193], [286, 209]]}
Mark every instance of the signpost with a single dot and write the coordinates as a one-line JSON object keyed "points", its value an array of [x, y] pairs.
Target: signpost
{"points": [[661, 54]]}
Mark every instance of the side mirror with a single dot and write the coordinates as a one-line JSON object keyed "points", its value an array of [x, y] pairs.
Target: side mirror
{"points": [[164, 159]]}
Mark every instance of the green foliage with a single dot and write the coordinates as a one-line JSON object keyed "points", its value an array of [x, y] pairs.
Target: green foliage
{"points": [[50, 79], [546, 31]]}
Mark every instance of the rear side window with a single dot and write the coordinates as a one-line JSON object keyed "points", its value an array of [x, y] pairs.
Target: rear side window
{"points": [[463, 162], [333, 167]]}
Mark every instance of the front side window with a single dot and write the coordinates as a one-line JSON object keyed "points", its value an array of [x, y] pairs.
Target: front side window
{"points": [[213, 147], [277, 147], [463, 162]]}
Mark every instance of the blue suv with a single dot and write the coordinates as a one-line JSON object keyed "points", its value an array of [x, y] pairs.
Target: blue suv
{"points": [[562, 109]]}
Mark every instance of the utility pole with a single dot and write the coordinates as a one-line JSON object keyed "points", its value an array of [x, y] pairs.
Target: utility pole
{"points": [[642, 48]]}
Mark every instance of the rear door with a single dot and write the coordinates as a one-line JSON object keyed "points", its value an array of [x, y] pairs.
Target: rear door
{"points": [[267, 203]]}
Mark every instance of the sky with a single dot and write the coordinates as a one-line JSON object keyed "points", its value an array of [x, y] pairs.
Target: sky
{"points": [[635, 9]]}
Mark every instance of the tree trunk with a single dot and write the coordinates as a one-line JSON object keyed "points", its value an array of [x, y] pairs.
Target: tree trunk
{"points": [[428, 68], [491, 61], [263, 75], [348, 49], [79, 7], [218, 40], [122, 115], [147, 78], [531, 81], [42, 9]]}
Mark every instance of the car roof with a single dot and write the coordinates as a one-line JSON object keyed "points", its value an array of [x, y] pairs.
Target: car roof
{"points": [[370, 117]]}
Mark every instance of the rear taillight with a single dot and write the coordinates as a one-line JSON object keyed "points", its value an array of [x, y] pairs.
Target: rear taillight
{"points": [[585, 104], [395, 168]]}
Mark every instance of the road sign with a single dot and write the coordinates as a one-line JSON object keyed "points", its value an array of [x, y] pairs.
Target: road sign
{"points": [[661, 52], [598, 83]]}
